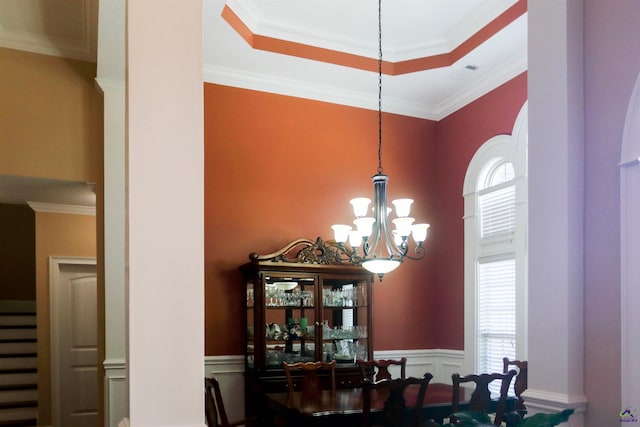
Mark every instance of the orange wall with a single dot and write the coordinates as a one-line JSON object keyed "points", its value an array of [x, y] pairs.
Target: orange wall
{"points": [[51, 125], [278, 168], [56, 235]]}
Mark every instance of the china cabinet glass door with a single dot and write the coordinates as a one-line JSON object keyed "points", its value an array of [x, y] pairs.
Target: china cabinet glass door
{"points": [[290, 318], [345, 316]]}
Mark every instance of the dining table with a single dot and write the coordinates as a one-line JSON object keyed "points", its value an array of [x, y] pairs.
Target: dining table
{"points": [[343, 407]]}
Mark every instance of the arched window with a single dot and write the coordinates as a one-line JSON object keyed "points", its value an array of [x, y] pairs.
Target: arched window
{"points": [[495, 193]]}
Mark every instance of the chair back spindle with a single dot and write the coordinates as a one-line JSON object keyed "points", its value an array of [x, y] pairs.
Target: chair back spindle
{"points": [[378, 370], [394, 412], [480, 400], [311, 380]]}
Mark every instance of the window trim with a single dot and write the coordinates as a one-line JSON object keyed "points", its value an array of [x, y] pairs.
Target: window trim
{"points": [[512, 148]]}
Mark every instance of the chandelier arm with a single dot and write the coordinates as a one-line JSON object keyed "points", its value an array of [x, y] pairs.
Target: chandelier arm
{"points": [[419, 251]]}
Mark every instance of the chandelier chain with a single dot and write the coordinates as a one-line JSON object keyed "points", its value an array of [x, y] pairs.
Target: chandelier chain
{"points": [[379, 86]]}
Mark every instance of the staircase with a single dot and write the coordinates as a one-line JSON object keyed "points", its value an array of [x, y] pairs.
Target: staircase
{"points": [[18, 370]]}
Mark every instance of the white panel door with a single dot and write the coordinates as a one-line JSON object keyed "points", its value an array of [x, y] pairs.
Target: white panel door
{"points": [[74, 339]]}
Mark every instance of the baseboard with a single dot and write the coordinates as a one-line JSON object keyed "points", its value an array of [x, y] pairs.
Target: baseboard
{"points": [[546, 401], [550, 402]]}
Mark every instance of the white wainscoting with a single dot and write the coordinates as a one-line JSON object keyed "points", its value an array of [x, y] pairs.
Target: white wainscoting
{"points": [[115, 392], [229, 370], [440, 363]]}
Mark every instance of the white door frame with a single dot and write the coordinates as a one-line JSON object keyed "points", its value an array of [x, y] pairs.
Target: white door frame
{"points": [[55, 266]]}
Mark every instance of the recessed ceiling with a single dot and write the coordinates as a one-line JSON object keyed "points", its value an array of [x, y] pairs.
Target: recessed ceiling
{"points": [[439, 55], [290, 47]]}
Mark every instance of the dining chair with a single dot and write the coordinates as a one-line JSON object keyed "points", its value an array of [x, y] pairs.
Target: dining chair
{"points": [[377, 370], [520, 383], [394, 412], [316, 376], [480, 400], [214, 407]]}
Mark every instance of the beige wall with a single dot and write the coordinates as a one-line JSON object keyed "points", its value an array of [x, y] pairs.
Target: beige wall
{"points": [[51, 126], [51, 121], [56, 235]]}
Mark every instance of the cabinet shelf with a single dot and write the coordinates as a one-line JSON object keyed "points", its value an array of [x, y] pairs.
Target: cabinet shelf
{"points": [[280, 307]]}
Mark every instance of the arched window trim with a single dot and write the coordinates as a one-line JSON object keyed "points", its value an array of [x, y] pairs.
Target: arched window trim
{"points": [[511, 148], [630, 246]]}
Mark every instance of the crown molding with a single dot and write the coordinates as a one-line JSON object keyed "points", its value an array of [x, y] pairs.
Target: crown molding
{"points": [[83, 49], [475, 90], [62, 209], [267, 83], [336, 95]]}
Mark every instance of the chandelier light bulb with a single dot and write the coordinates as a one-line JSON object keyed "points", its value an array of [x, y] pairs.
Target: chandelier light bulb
{"points": [[419, 232], [341, 232], [364, 225], [360, 205], [381, 266], [403, 226], [403, 207], [397, 238], [355, 238]]}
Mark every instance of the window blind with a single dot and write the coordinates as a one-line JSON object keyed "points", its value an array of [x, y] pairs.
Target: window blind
{"points": [[497, 211], [496, 335]]}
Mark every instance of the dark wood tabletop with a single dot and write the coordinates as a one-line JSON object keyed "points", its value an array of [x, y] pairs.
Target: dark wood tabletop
{"points": [[344, 406]]}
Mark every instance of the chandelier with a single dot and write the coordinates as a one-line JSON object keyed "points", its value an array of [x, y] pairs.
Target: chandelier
{"points": [[373, 243]]}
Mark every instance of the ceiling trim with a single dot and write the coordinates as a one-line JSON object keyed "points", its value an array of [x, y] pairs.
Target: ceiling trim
{"points": [[301, 50], [83, 49], [275, 84], [475, 90], [62, 209], [303, 89]]}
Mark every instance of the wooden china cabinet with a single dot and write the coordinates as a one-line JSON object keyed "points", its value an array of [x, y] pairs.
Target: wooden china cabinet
{"points": [[305, 302]]}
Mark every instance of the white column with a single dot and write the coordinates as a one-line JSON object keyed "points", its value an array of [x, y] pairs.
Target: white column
{"points": [[165, 184], [111, 80], [556, 151]]}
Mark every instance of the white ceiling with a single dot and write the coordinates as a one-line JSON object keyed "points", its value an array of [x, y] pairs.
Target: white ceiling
{"points": [[410, 29]]}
